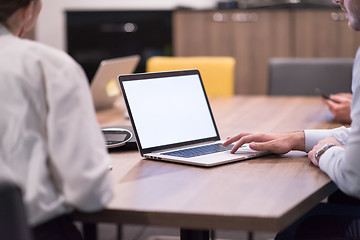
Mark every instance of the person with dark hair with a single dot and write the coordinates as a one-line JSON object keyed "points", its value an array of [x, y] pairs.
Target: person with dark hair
{"points": [[50, 143]]}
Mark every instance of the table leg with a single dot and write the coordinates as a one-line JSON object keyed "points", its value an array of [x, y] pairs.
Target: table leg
{"points": [[190, 234], [212, 234], [119, 232], [250, 236], [89, 231]]}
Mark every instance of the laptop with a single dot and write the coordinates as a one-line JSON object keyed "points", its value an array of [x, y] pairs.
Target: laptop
{"points": [[172, 119], [104, 86]]}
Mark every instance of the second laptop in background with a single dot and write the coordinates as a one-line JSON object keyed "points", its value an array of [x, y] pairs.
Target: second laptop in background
{"points": [[104, 86]]}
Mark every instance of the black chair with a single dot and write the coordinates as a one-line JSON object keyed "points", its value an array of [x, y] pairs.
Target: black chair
{"points": [[300, 76], [13, 222]]}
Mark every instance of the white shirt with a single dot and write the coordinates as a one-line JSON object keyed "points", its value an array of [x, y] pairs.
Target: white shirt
{"points": [[343, 165], [49, 136]]}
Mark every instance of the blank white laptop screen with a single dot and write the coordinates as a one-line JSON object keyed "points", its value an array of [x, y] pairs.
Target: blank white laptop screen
{"points": [[169, 110]]}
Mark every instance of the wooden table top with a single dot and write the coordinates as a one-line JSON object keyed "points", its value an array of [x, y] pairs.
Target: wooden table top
{"points": [[262, 194]]}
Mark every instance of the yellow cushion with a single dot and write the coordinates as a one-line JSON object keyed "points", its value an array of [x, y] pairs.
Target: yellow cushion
{"points": [[217, 72]]}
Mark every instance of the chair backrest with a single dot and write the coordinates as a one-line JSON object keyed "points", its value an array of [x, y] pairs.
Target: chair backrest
{"points": [[300, 76], [217, 72], [13, 223]]}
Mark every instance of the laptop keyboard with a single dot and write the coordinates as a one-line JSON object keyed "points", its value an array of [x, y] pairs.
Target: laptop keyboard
{"points": [[199, 151]]}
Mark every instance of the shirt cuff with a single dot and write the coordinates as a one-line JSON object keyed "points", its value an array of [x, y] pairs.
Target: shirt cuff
{"points": [[312, 137], [327, 156]]}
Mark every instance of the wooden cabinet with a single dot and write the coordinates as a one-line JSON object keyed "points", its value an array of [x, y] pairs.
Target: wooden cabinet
{"points": [[323, 33], [257, 36], [254, 36], [249, 36], [189, 33]]}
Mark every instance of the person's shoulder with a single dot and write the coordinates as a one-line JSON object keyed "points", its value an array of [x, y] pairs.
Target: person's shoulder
{"points": [[51, 62], [43, 50], [48, 55]]}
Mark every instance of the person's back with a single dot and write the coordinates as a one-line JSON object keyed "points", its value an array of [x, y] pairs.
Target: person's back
{"points": [[50, 138]]}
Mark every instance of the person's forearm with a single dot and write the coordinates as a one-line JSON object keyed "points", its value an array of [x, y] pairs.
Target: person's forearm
{"points": [[298, 140]]}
